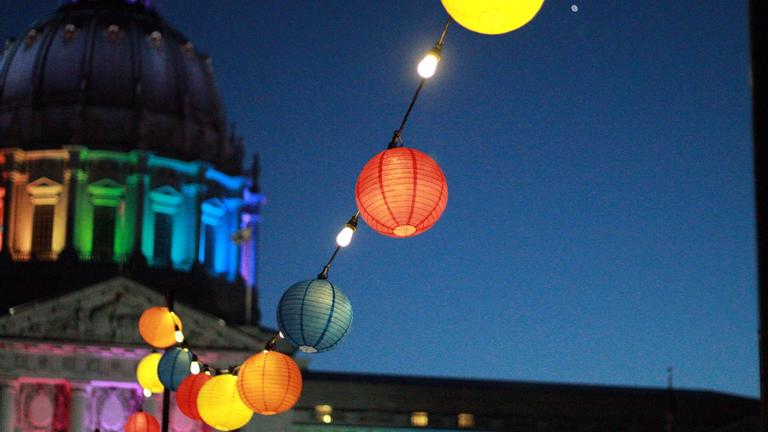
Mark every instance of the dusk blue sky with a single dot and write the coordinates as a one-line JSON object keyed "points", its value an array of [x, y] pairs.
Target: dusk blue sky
{"points": [[600, 220]]}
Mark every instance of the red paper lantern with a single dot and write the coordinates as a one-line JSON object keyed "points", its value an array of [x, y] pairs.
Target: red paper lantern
{"points": [[186, 395], [401, 192], [142, 422]]}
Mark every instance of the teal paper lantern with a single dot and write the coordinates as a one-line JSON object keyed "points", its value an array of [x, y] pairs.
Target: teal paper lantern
{"points": [[314, 315], [174, 367]]}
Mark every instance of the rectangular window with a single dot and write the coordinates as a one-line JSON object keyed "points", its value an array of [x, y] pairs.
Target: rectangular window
{"points": [[466, 420], [42, 232], [104, 232], [161, 256], [420, 419], [210, 247]]}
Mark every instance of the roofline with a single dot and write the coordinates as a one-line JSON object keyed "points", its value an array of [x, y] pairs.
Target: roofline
{"points": [[438, 381]]}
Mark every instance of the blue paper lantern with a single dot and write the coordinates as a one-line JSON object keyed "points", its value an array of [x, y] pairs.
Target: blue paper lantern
{"points": [[174, 367], [314, 315]]}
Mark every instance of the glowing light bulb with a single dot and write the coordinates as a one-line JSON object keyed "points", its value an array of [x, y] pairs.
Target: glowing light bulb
{"points": [[179, 336], [327, 418], [428, 65], [147, 393], [345, 236], [194, 367]]}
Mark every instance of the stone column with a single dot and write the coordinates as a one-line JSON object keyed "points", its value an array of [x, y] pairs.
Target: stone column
{"points": [[77, 408], [7, 405], [73, 167]]}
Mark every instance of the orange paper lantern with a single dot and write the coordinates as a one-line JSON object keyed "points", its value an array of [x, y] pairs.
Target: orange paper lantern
{"points": [[186, 395], [158, 325], [269, 382], [401, 192], [142, 422]]}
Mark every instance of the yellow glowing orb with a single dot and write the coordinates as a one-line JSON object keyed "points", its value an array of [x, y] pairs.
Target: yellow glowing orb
{"points": [[220, 406], [492, 16], [146, 373]]}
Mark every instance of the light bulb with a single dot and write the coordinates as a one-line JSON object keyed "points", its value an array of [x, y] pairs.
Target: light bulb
{"points": [[428, 65], [327, 418], [179, 336], [345, 236], [147, 393], [194, 367]]}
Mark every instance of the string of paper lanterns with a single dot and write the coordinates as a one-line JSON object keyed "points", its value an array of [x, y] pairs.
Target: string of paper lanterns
{"points": [[400, 193]]}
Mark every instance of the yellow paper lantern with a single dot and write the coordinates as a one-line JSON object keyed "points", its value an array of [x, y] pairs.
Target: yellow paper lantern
{"points": [[492, 16], [146, 373], [220, 406], [158, 326], [269, 382]]}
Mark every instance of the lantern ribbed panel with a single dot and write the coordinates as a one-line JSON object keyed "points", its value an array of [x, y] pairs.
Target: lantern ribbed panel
{"points": [[220, 406], [492, 16], [174, 367], [146, 373], [314, 315], [157, 326], [186, 395], [142, 422], [269, 383], [401, 192]]}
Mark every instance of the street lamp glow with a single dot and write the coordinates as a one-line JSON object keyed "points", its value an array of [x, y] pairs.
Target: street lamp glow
{"points": [[428, 65], [345, 236]]}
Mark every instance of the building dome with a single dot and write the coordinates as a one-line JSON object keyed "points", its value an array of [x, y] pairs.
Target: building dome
{"points": [[115, 159], [112, 75]]}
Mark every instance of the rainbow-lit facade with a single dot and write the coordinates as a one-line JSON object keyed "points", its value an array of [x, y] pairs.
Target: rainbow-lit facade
{"points": [[107, 205]]}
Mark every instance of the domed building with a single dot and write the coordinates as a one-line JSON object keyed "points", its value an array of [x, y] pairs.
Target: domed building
{"points": [[119, 179], [114, 149]]}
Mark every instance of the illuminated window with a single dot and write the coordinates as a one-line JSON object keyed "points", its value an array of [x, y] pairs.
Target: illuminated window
{"points": [[323, 413], [42, 231], [466, 420], [104, 232], [419, 418]]}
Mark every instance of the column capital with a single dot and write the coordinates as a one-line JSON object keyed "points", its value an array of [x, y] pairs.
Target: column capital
{"points": [[79, 389]]}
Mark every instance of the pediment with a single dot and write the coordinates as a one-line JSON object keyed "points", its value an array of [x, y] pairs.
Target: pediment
{"points": [[44, 186], [166, 190], [106, 183], [43, 182], [108, 312]]}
